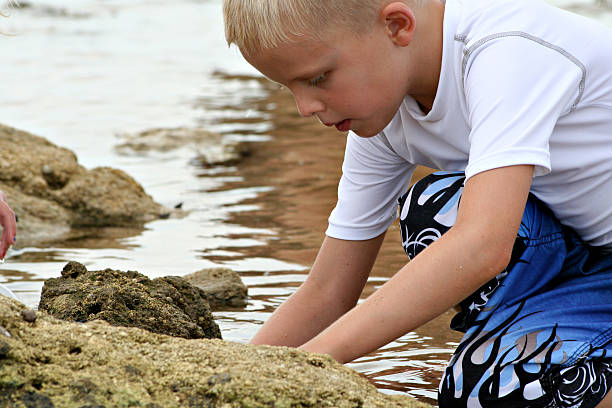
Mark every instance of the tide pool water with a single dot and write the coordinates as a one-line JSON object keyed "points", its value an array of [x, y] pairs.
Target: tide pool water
{"points": [[84, 72]]}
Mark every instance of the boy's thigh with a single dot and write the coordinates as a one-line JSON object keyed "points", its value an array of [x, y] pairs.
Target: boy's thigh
{"points": [[429, 209], [545, 344], [538, 334], [553, 349]]}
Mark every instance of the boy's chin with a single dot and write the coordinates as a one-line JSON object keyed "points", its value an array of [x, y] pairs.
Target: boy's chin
{"points": [[366, 133]]}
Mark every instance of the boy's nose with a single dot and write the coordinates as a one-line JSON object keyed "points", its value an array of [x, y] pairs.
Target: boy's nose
{"points": [[308, 106]]}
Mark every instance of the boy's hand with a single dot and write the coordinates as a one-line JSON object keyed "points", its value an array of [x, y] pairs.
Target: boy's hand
{"points": [[9, 225]]}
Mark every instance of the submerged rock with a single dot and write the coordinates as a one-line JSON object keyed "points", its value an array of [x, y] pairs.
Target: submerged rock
{"points": [[168, 305], [64, 364], [222, 286], [51, 192], [213, 149]]}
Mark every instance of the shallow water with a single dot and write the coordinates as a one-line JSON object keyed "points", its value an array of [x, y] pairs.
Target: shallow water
{"points": [[81, 73]]}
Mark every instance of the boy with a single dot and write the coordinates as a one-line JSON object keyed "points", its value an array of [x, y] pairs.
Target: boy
{"points": [[514, 97]]}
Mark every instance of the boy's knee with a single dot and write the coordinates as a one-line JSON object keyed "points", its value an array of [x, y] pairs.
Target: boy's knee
{"points": [[429, 209]]}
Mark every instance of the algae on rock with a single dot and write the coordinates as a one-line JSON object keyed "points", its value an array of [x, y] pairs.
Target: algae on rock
{"points": [[168, 305], [54, 363]]}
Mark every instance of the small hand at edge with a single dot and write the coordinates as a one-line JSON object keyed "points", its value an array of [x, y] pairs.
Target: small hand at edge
{"points": [[9, 225]]}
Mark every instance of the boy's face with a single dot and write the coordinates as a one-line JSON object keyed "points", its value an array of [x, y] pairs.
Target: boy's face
{"points": [[353, 82]]}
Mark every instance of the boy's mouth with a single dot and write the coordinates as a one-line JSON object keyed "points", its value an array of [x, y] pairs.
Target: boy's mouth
{"points": [[343, 125]]}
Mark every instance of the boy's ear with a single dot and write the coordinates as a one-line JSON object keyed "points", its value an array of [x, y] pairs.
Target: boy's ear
{"points": [[399, 22]]}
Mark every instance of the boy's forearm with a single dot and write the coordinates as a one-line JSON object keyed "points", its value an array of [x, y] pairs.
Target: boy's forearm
{"points": [[301, 317], [332, 288]]}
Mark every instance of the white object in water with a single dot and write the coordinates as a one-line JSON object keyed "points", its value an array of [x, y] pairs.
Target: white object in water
{"points": [[7, 292]]}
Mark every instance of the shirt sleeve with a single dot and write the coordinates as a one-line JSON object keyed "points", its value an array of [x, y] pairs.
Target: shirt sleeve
{"points": [[516, 89], [373, 178]]}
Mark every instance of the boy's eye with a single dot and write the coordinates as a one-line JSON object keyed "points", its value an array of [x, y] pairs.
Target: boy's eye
{"points": [[318, 79]]}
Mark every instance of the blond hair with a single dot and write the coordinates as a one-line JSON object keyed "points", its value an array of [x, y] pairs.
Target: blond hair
{"points": [[258, 24]]}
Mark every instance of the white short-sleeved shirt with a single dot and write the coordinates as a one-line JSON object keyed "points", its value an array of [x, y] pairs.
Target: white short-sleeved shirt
{"points": [[522, 82]]}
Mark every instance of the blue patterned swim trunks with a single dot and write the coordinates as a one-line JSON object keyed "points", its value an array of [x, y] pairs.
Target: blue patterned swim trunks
{"points": [[537, 335]]}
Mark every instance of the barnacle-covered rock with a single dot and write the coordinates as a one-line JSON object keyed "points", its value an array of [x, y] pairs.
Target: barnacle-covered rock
{"points": [[168, 305]]}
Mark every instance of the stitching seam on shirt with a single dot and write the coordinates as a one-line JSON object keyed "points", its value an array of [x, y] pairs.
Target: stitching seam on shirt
{"points": [[467, 52]]}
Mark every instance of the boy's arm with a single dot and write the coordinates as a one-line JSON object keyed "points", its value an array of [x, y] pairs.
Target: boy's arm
{"points": [[472, 252], [331, 289]]}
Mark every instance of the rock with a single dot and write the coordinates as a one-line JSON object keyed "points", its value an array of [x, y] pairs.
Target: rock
{"points": [[66, 364], [168, 305], [4, 332], [117, 200], [36, 399], [28, 315], [73, 269], [223, 287], [212, 148], [51, 192], [4, 348]]}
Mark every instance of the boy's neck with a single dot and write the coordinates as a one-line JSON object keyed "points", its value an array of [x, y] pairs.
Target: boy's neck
{"points": [[429, 53]]}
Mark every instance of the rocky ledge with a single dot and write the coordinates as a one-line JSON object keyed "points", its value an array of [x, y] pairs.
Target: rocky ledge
{"points": [[47, 362]]}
